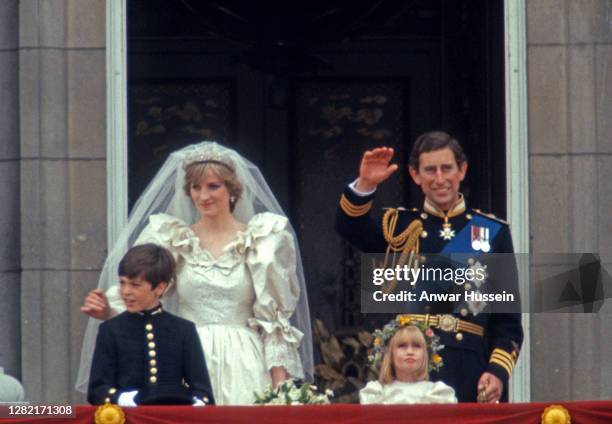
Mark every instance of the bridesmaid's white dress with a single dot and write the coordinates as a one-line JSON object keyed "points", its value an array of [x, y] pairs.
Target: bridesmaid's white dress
{"points": [[401, 392]]}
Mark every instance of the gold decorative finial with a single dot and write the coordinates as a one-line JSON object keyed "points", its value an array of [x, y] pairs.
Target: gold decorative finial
{"points": [[556, 414], [109, 414]]}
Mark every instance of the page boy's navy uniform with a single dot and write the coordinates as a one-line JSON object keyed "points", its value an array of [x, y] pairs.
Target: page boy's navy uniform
{"points": [[154, 352]]}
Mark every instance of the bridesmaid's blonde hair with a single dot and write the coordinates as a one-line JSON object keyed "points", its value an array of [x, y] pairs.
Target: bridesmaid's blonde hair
{"points": [[407, 334]]}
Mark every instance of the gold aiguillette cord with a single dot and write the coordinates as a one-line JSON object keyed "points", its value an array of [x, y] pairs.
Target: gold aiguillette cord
{"points": [[407, 242]]}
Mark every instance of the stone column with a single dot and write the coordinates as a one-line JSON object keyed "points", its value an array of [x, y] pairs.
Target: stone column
{"points": [[63, 183], [570, 122], [10, 351]]}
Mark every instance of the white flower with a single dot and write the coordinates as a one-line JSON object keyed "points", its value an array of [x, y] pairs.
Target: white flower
{"points": [[288, 393]]}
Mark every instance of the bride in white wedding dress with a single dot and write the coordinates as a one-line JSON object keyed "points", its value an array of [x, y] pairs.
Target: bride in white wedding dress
{"points": [[239, 279]]}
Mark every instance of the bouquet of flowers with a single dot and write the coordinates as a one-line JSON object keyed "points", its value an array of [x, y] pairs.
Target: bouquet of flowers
{"points": [[293, 392]]}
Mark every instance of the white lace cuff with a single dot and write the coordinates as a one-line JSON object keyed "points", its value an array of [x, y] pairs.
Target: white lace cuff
{"points": [[280, 353], [279, 325]]}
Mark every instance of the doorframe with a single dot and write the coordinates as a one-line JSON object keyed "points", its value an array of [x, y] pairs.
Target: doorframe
{"points": [[116, 119], [517, 173], [517, 160]]}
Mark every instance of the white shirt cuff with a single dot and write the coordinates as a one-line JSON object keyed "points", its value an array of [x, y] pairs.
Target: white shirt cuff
{"points": [[360, 193]]}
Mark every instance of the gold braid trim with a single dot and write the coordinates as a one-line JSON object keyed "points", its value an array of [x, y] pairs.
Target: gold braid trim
{"points": [[353, 210], [406, 242], [502, 363], [503, 359]]}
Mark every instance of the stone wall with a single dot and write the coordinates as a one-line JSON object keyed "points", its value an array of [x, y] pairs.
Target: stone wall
{"points": [[63, 185], [570, 122], [9, 190]]}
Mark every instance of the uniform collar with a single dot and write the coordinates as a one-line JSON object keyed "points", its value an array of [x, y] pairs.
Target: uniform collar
{"points": [[456, 209], [150, 312]]}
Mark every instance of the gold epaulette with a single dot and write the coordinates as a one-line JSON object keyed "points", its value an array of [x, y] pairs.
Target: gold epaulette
{"points": [[353, 210], [504, 359], [490, 216]]}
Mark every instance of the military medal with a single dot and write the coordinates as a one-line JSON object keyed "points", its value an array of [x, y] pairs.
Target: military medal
{"points": [[480, 239], [447, 232], [486, 247]]}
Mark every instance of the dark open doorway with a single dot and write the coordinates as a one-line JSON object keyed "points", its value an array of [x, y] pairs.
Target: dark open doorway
{"points": [[303, 89]]}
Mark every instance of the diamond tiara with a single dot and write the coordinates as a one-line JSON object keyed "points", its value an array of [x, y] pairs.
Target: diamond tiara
{"points": [[210, 155]]}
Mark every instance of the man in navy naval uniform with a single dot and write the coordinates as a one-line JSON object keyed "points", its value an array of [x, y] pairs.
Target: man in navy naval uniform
{"points": [[147, 355], [481, 348]]}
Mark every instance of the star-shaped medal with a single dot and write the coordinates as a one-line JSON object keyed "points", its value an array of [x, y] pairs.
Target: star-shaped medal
{"points": [[447, 233]]}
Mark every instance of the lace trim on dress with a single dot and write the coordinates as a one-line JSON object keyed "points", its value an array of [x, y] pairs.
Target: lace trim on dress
{"points": [[279, 353], [289, 333], [180, 239]]}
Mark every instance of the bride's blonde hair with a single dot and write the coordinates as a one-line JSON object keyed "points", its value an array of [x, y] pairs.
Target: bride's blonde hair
{"points": [[194, 172]]}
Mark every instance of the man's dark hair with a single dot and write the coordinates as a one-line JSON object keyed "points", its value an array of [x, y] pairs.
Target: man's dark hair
{"points": [[432, 141], [150, 262]]}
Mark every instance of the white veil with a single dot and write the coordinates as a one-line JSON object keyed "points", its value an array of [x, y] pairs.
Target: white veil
{"points": [[165, 194]]}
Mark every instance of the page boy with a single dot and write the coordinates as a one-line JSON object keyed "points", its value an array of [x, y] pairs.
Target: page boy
{"points": [[147, 355]]}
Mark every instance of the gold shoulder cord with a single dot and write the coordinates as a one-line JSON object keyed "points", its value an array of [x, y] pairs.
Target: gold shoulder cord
{"points": [[407, 242]]}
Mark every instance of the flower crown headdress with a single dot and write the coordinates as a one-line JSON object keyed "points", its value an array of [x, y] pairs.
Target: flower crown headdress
{"points": [[382, 337]]}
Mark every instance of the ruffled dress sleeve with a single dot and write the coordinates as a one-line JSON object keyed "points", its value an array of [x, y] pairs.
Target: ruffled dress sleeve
{"points": [[439, 392], [114, 299], [164, 230], [371, 393], [271, 260]]}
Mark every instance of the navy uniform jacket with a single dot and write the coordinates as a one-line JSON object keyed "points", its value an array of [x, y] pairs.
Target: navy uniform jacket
{"points": [[466, 355], [145, 352]]}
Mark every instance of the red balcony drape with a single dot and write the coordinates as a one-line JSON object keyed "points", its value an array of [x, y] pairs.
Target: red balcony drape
{"points": [[584, 412]]}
